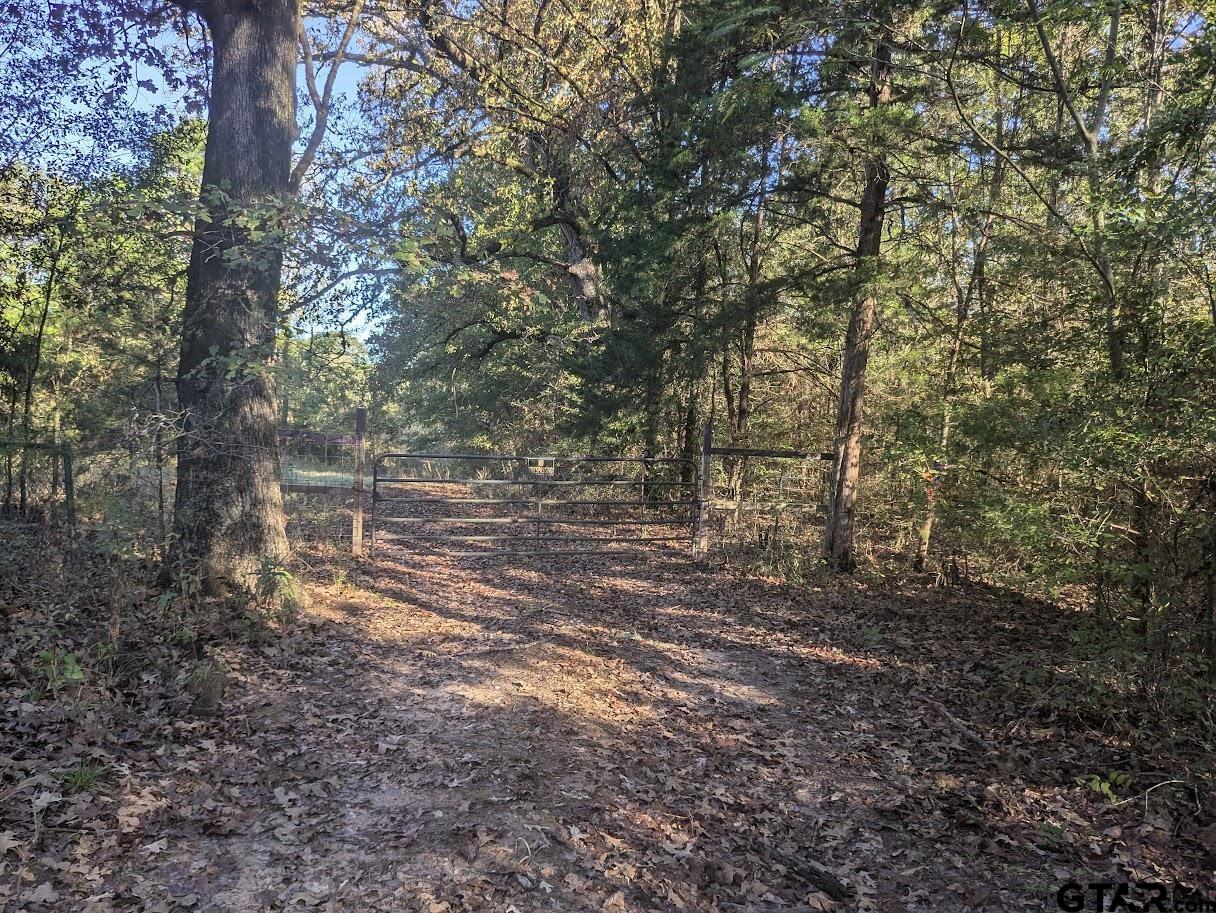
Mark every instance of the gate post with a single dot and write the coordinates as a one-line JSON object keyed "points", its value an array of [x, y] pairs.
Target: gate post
{"points": [[700, 545], [356, 532], [69, 490]]}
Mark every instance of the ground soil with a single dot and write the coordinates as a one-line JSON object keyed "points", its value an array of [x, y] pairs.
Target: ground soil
{"points": [[622, 734]]}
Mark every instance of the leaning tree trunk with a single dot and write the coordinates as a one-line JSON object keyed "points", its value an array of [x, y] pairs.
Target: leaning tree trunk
{"points": [[846, 460], [228, 512]]}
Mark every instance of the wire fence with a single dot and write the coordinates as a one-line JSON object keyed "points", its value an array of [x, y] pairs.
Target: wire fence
{"points": [[123, 488], [739, 504], [38, 482], [761, 505], [494, 504], [323, 484]]}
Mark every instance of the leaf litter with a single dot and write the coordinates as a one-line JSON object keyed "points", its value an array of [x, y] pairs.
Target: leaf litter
{"points": [[444, 734]]}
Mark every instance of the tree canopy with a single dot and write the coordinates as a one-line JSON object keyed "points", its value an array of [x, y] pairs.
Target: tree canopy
{"points": [[967, 247]]}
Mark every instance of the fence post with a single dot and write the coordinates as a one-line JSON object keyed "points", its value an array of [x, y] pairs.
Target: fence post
{"points": [[69, 488], [647, 488], [356, 533], [700, 547]]}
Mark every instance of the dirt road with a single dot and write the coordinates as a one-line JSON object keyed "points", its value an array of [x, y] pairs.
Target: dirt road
{"points": [[632, 735]]}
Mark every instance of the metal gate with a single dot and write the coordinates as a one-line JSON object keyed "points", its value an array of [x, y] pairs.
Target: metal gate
{"points": [[492, 504]]}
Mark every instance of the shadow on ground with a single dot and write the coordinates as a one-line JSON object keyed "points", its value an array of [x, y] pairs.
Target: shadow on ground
{"points": [[634, 734]]}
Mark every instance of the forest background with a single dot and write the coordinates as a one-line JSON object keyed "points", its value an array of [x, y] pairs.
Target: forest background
{"points": [[536, 225]]}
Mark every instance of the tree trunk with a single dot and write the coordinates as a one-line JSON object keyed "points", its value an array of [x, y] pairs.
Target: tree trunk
{"points": [[974, 292], [1148, 284], [31, 375], [228, 512], [690, 443], [585, 275], [9, 478], [1208, 610], [846, 462]]}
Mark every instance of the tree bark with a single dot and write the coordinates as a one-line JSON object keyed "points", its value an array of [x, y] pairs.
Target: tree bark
{"points": [[31, 375], [974, 292], [228, 512], [1090, 136], [846, 461]]}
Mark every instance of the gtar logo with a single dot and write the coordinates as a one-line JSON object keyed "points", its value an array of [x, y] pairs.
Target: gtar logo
{"points": [[1133, 896]]}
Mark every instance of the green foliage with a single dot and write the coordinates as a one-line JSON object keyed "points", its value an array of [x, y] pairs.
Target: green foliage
{"points": [[1106, 786], [322, 378], [91, 289], [276, 591], [83, 777], [608, 225], [59, 669], [1040, 392]]}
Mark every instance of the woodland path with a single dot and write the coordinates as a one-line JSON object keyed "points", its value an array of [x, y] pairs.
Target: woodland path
{"points": [[455, 734]]}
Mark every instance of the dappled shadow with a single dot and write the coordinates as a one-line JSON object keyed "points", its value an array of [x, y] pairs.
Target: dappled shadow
{"points": [[632, 734]]}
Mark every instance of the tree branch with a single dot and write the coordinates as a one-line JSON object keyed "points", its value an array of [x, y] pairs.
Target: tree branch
{"points": [[321, 101], [1057, 75]]}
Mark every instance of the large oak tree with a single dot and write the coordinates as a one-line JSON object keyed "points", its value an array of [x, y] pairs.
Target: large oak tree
{"points": [[228, 516]]}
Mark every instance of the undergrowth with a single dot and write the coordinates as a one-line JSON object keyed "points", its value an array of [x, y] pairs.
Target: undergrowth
{"points": [[1090, 671], [85, 621]]}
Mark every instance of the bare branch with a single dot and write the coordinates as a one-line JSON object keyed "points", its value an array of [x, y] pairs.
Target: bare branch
{"points": [[1057, 74], [321, 102]]}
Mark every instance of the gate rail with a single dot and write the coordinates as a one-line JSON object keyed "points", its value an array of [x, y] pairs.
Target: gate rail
{"points": [[533, 515]]}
